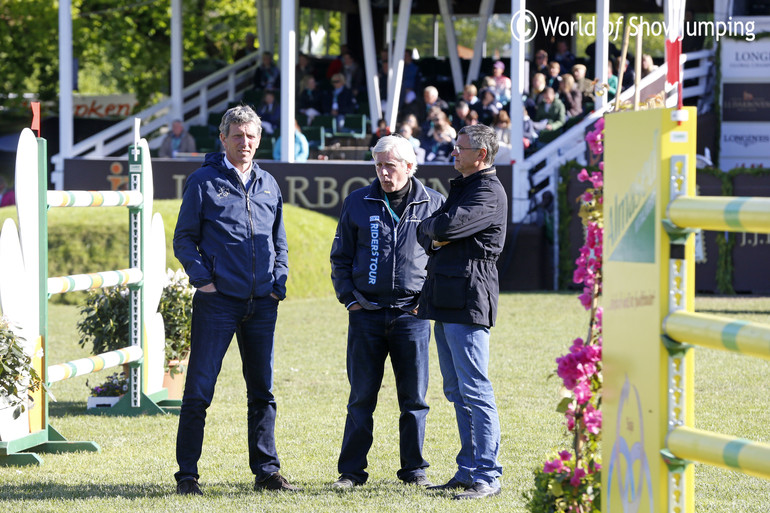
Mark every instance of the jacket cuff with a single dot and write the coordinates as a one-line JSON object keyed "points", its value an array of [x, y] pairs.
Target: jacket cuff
{"points": [[348, 299]]}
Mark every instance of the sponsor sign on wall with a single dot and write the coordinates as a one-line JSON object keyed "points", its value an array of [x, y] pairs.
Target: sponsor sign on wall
{"points": [[745, 102], [103, 106]]}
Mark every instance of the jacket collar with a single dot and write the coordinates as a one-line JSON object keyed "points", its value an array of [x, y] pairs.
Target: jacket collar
{"points": [[478, 175], [418, 193], [217, 161]]}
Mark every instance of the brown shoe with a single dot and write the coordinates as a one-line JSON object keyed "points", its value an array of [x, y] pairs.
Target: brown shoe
{"points": [[275, 481]]}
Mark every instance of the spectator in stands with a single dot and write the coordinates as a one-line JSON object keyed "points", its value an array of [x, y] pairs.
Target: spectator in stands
{"points": [[570, 96], [584, 85], [472, 118], [529, 134], [382, 78], [178, 140], [267, 77], [301, 146], [550, 115], [591, 53], [469, 94], [502, 126], [411, 80], [341, 100], [304, 68], [502, 87], [382, 130], [7, 195], [535, 94], [441, 138], [405, 130], [648, 66], [461, 112], [563, 55], [411, 120], [354, 75], [311, 99], [553, 77], [628, 73], [541, 63], [430, 99], [612, 80], [248, 47], [335, 66], [488, 107], [270, 114]]}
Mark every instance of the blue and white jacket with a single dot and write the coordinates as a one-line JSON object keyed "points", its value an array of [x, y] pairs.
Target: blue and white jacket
{"points": [[231, 236], [376, 260]]}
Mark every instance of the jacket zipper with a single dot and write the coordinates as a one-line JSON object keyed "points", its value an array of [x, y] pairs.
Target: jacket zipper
{"points": [[251, 236]]}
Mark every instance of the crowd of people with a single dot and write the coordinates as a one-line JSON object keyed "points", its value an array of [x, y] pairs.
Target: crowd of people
{"points": [[559, 90]]}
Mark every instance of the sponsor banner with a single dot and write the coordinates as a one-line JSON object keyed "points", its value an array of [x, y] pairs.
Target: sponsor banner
{"points": [[745, 59], [320, 186], [103, 106], [746, 101], [728, 163], [745, 140]]}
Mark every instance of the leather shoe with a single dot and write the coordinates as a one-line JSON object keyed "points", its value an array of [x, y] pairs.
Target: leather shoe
{"points": [[275, 481], [188, 487], [452, 484], [344, 483], [419, 480], [477, 490]]}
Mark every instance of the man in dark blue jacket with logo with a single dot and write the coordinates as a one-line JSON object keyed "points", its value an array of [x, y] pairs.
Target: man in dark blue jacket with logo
{"points": [[464, 239], [378, 270], [231, 241]]}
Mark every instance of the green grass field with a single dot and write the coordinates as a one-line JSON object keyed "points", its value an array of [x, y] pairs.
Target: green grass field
{"points": [[134, 470]]}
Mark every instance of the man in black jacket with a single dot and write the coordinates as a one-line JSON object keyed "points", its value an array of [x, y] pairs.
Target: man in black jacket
{"points": [[463, 239], [378, 270]]}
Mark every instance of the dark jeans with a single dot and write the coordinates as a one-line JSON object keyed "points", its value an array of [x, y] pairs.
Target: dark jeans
{"points": [[215, 319], [372, 335]]}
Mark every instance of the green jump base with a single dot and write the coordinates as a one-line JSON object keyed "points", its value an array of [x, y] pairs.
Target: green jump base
{"points": [[47, 441], [147, 406]]}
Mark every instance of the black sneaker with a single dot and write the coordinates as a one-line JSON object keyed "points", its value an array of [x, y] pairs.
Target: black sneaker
{"points": [[452, 484], [477, 490], [275, 481], [345, 483], [419, 480], [188, 487]]}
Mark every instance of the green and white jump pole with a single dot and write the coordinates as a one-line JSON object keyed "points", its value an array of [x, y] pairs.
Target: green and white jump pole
{"points": [[25, 288]]}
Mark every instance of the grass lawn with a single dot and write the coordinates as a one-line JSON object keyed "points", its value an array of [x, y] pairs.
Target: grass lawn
{"points": [[134, 470]]}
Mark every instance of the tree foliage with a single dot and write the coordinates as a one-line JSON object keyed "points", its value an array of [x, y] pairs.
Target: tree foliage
{"points": [[120, 47]]}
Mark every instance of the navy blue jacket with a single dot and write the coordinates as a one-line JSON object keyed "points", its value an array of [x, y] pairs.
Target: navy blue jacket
{"points": [[462, 284], [232, 237], [375, 260]]}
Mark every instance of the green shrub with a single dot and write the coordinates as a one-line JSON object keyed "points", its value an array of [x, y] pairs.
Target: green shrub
{"points": [[17, 376]]}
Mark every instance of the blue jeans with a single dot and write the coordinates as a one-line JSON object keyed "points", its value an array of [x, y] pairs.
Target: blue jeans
{"points": [[463, 355], [215, 319], [372, 335]]}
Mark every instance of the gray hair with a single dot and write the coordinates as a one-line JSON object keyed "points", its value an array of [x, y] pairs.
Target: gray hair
{"points": [[239, 115], [400, 146], [482, 136]]}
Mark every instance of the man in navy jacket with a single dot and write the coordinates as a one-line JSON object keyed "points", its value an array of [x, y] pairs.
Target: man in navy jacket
{"points": [[378, 270], [231, 241], [464, 239]]}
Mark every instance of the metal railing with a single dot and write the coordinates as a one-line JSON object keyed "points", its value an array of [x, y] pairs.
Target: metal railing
{"points": [[210, 94]]}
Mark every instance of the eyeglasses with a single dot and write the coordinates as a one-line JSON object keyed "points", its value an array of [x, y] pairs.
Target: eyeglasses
{"points": [[458, 149]]}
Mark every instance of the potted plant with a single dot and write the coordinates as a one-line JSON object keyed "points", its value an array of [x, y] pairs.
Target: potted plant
{"points": [[108, 393], [105, 323], [17, 377]]}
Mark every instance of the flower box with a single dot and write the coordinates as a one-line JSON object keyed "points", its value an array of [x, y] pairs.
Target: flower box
{"points": [[102, 402]]}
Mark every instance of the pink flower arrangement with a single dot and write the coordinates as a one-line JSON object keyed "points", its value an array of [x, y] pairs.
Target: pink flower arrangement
{"points": [[578, 478]]}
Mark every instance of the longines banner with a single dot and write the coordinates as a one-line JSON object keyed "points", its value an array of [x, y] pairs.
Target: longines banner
{"points": [[745, 59], [319, 186], [745, 139]]}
